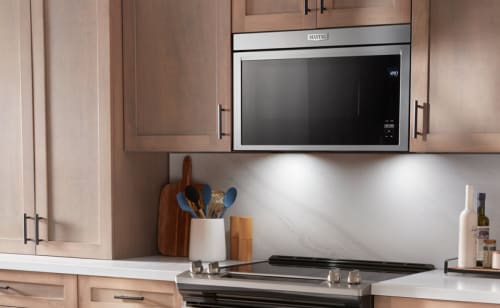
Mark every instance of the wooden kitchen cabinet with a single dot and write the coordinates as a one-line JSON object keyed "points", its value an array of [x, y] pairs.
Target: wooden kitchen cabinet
{"points": [[177, 75], [93, 200], [101, 292], [16, 131], [347, 13], [37, 290], [454, 87], [266, 15], [398, 302]]}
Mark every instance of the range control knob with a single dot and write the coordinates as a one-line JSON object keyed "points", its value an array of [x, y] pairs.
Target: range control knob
{"points": [[196, 267], [354, 277], [334, 276], [213, 268]]}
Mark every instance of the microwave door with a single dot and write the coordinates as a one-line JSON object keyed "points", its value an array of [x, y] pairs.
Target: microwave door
{"points": [[334, 99]]}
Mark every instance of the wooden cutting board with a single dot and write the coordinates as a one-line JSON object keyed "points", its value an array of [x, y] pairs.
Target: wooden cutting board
{"points": [[173, 223]]}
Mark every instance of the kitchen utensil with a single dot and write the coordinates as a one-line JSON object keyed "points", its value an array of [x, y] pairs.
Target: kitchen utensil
{"points": [[183, 204], [193, 195], [206, 196], [216, 205], [173, 223], [229, 198]]}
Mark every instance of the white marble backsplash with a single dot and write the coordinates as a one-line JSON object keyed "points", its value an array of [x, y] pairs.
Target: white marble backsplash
{"points": [[396, 207]]}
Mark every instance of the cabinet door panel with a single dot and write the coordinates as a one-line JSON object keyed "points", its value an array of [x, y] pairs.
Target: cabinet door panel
{"points": [[344, 13], [16, 133], [455, 70], [176, 71], [273, 15], [72, 128]]}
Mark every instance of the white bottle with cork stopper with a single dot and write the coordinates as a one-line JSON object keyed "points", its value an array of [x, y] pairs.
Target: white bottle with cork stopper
{"points": [[467, 231]]}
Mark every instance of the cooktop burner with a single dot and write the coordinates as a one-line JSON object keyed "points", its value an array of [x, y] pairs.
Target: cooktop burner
{"points": [[286, 277]]}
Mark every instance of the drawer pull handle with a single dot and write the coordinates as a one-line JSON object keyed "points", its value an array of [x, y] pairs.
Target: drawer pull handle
{"points": [[4, 287], [129, 298]]}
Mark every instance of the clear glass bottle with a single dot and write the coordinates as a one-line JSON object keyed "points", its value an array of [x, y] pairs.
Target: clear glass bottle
{"points": [[483, 228]]}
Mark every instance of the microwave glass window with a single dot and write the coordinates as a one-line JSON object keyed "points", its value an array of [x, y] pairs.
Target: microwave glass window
{"points": [[321, 101]]}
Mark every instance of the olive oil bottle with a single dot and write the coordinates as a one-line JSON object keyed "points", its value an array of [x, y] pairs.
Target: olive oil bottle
{"points": [[483, 227]]}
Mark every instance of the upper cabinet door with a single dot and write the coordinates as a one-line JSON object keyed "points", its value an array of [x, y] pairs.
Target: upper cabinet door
{"points": [[273, 15], [177, 75], [346, 13], [455, 65], [16, 134], [71, 72]]}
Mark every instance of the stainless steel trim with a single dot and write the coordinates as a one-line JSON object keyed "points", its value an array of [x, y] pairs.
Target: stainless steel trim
{"points": [[377, 35], [325, 289], [403, 50], [219, 121]]}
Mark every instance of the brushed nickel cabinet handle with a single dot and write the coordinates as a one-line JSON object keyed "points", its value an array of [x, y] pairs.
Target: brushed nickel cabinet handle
{"points": [[322, 6], [4, 287], [220, 134], [129, 298], [425, 126]]}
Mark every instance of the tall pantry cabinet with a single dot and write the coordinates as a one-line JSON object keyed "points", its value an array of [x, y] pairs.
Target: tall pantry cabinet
{"points": [[16, 132], [65, 166]]}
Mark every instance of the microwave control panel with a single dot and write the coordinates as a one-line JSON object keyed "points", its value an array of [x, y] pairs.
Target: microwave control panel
{"points": [[389, 131]]}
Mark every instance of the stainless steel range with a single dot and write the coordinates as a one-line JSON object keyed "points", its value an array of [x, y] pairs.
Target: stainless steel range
{"points": [[285, 281]]}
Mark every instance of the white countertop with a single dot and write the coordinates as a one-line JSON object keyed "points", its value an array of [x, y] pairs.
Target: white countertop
{"points": [[439, 286], [150, 268]]}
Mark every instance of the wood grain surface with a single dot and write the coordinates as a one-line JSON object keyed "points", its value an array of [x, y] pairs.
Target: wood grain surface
{"points": [[173, 223]]}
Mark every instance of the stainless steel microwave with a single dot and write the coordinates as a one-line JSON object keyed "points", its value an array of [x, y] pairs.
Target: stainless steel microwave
{"points": [[343, 89]]}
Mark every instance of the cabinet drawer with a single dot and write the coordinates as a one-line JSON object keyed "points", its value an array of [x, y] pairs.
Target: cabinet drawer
{"points": [[100, 292], [37, 290]]}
